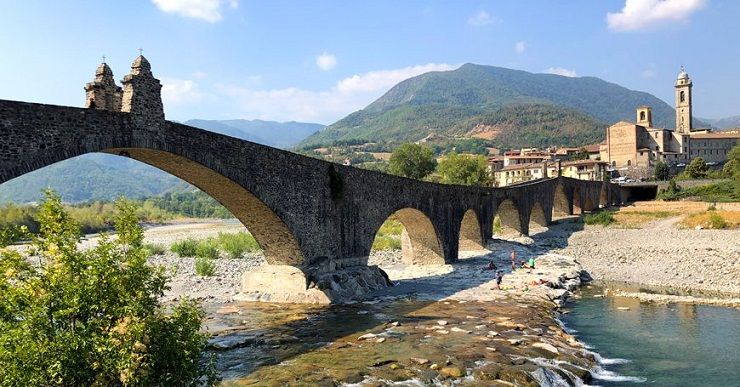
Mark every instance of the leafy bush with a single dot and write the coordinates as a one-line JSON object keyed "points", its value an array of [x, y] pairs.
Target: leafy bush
{"points": [[386, 242], [154, 249], [205, 267], [236, 244], [697, 168], [92, 318], [716, 221], [207, 249], [498, 227], [185, 248], [603, 218]]}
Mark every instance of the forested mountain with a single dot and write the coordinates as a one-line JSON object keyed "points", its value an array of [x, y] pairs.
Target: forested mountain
{"points": [[275, 134], [724, 123], [453, 102]]}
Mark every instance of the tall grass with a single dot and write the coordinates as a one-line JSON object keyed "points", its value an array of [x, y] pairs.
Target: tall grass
{"points": [[185, 248], [235, 245], [603, 218], [205, 267]]}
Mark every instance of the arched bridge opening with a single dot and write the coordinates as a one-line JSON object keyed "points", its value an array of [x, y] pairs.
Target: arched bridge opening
{"points": [[272, 234], [412, 231], [507, 222], [471, 237]]}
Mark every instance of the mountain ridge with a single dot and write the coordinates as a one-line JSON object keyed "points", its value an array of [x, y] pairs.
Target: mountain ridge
{"points": [[437, 102]]}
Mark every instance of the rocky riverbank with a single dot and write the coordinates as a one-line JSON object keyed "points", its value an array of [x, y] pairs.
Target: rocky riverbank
{"points": [[679, 259]]}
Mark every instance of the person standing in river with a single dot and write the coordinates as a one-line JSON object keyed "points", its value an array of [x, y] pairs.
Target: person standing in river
{"points": [[513, 260]]}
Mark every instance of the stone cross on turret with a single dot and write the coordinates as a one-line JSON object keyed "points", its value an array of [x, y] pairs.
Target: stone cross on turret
{"points": [[142, 93]]}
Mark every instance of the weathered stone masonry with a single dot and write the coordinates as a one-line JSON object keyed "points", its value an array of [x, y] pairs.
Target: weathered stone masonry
{"points": [[315, 215]]}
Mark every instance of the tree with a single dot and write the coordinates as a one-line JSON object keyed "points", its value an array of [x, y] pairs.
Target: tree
{"points": [[581, 155], [661, 171], [412, 160], [697, 168], [732, 166], [93, 318], [465, 170]]}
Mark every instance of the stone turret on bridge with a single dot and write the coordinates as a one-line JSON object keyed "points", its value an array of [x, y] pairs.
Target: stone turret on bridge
{"points": [[142, 93], [103, 93]]}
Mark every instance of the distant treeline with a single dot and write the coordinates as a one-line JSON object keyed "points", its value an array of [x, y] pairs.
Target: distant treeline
{"points": [[99, 215]]}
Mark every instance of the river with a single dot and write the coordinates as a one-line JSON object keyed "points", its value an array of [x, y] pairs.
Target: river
{"points": [[662, 345]]}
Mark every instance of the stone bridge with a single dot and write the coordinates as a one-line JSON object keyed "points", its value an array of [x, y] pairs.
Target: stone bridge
{"points": [[315, 220]]}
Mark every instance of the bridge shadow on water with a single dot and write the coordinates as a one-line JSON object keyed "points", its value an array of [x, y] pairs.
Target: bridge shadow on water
{"points": [[256, 335]]}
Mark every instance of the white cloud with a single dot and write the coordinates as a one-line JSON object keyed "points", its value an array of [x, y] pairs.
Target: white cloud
{"points": [[561, 71], [481, 18], [208, 10], [326, 61], [639, 14], [180, 91], [326, 106], [520, 47]]}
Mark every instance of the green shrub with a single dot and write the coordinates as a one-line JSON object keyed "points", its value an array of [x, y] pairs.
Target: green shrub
{"points": [[205, 267], [236, 244], [93, 318], [155, 249], [185, 248], [386, 242], [716, 221], [498, 228], [603, 218], [207, 249]]}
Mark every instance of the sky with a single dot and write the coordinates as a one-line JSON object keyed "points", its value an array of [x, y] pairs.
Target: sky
{"points": [[317, 61]]}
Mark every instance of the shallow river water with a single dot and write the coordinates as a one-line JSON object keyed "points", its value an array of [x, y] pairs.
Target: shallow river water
{"points": [[660, 345]]}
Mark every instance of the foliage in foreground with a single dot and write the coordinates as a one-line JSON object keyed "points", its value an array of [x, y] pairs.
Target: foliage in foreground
{"points": [[603, 218], [82, 318]]}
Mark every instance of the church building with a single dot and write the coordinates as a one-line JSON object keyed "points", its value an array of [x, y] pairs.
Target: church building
{"points": [[640, 145]]}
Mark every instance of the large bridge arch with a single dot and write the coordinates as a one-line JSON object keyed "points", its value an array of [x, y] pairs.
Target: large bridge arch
{"points": [[471, 236], [272, 234], [509, 216], [420, 241]]}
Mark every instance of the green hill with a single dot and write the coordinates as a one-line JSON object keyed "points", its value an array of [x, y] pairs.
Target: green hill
{"points": [[453, 102], [91, 177], [275, 134]]}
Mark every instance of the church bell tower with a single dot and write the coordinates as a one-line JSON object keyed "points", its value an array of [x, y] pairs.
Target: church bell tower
{"points": [[683, 103]]}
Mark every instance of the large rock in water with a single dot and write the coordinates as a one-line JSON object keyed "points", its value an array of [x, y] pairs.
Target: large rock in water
{"points": [[283, 283]]}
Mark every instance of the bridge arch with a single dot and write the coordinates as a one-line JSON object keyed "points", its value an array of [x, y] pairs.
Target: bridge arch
{"points": [[537, 216], [272, 234], [561, 206], [420, 241], [508, 217], [471, 237]]}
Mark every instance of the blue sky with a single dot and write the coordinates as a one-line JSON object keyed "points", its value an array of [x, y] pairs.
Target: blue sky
{"points": [[320, 60]]}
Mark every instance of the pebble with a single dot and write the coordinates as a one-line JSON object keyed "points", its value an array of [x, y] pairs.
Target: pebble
{"points": [[460, 330], [442, 322], [367, 336], [419, 360]]}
